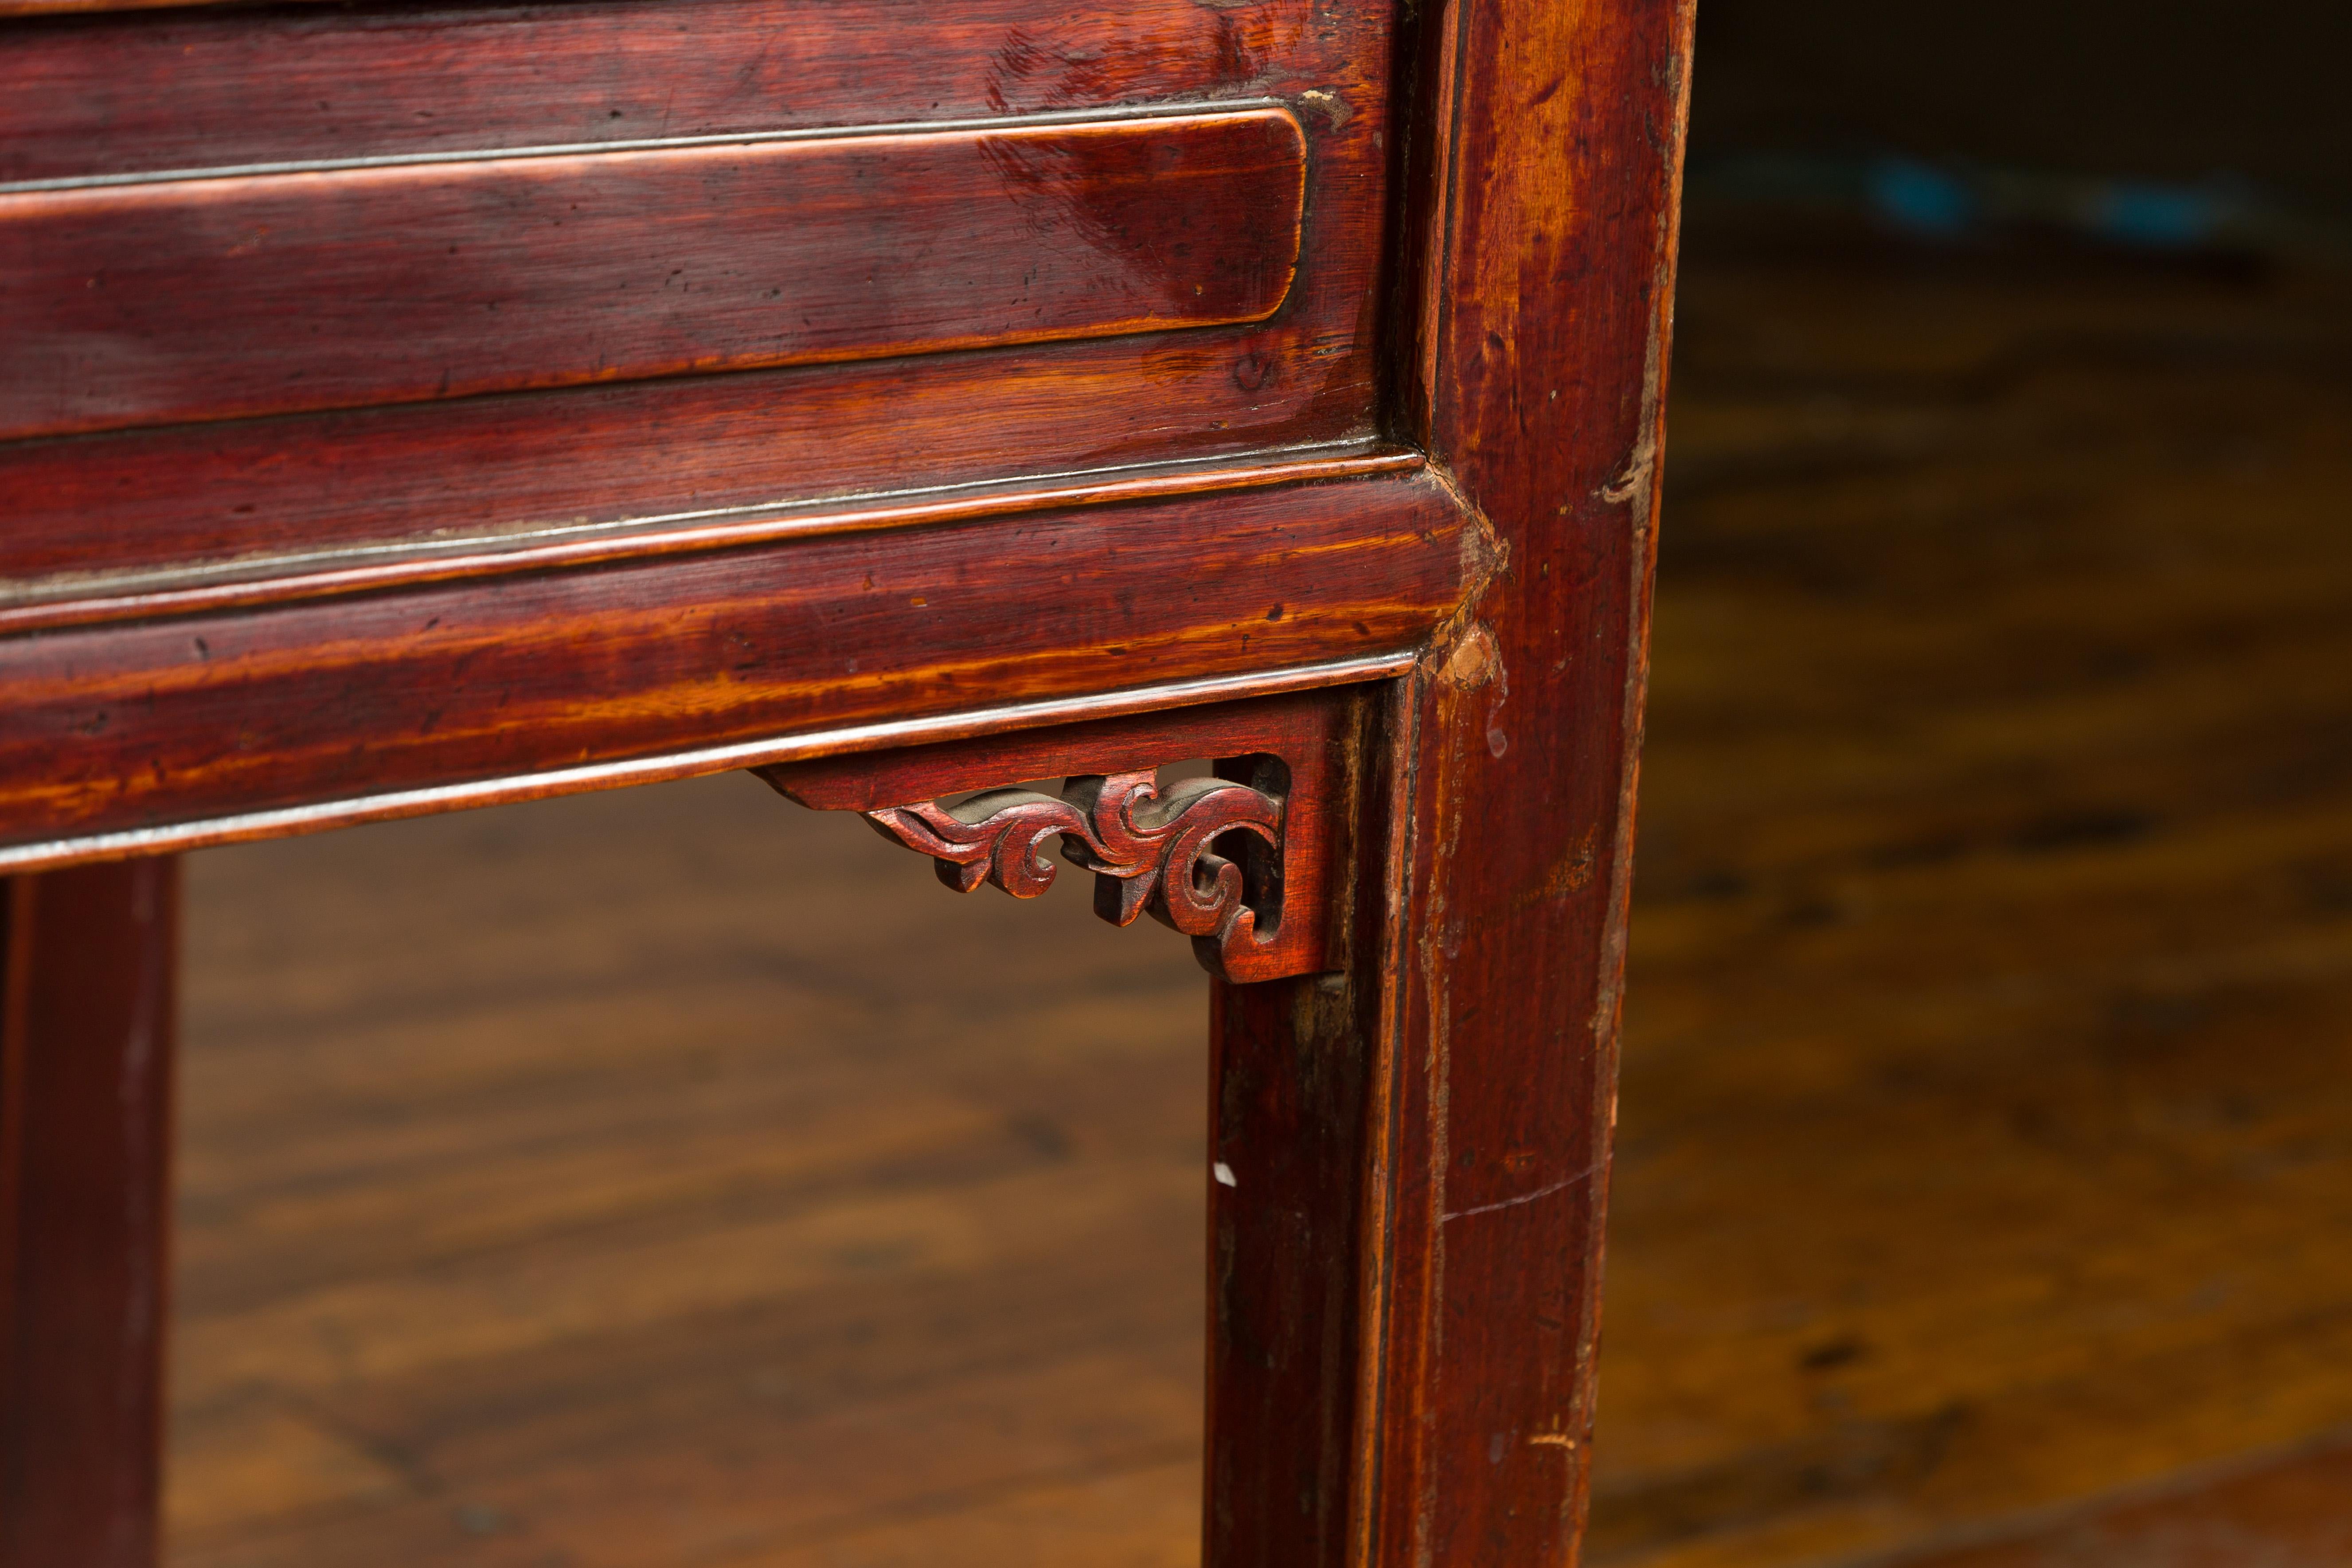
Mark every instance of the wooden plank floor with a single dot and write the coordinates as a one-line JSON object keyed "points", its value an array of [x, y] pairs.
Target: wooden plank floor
{"points": [[679, 1178], [676, 1178], [1987, 1139]]}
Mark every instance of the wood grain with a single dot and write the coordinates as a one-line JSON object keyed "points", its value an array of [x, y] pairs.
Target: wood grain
{"points": [[97, 97], [350, 287], [115, 728], [1311, 738], [51, 7], [805, 1256], [1293, 1317], [1990, 967], [1543, 203], [638, 455], [1990, 1055], [1430, 1119], [88, 973], [2287, 1513], [133, 593]]}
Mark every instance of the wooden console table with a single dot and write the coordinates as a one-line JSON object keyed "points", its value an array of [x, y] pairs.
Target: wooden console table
{"points": [[410, 406]]}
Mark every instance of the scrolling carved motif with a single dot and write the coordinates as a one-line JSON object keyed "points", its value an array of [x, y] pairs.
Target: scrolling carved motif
{"points": [[1253, 863], [1150, 849]]}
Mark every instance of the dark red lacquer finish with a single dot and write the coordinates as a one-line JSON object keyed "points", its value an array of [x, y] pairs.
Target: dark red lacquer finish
{"points": [[1267, 381], [153, 727], [1298, 756], [343, 286], [86, 987], [1548, 188], [634, 92]]}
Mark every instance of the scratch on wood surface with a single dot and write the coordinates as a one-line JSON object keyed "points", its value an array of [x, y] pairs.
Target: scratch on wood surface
{"points": [[1540, 1193]]}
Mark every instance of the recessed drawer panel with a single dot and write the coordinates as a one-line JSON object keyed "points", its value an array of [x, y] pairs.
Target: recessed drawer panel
{"points": [[300, 285], [210, 87], [203, 299]]}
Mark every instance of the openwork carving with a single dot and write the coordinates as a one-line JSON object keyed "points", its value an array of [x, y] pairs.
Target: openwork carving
{"points": [[1149, 848], [1253, 863]]}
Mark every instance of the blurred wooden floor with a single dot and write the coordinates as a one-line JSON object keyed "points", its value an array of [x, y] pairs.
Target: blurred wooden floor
{"points": [[676, 1178], [673, 1178]]}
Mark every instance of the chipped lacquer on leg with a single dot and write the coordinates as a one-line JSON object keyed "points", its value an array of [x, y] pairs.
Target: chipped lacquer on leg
{"points": [[85, 1035]]}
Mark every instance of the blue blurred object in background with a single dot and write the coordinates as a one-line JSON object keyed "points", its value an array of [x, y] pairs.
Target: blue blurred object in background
{"points": [[2165, 218], [1955, 201], [1920, 198]]}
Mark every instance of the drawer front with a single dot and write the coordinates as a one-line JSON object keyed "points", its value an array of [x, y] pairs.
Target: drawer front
{"points": [[168, 302], [295, 283]]}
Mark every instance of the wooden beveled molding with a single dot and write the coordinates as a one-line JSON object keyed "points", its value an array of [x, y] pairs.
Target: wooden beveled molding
{"points": [[226, 87], [339, 286], [142, 735]]}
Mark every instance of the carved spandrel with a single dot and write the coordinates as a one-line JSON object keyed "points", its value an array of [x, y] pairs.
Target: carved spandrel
{"points": [[1253, 863], [1150, 849]]}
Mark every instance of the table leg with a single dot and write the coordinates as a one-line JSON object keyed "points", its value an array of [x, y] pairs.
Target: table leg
{"points": [[86, 1040], [1293, 1259], [1411, 1156]]}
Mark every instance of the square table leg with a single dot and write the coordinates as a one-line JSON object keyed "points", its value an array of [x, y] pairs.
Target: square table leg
{"points": [[86, 1042]]}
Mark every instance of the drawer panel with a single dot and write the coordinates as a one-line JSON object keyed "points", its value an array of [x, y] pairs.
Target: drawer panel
{"points": [[182, 299], [213, 88], [344, 389]]}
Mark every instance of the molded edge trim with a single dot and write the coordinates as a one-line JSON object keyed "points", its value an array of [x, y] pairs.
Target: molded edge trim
{"points": [[44, 604], [287, 821], [738, 256]]}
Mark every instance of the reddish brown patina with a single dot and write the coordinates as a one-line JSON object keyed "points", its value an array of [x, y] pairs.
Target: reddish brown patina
{"points": [[1271, 383]]}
